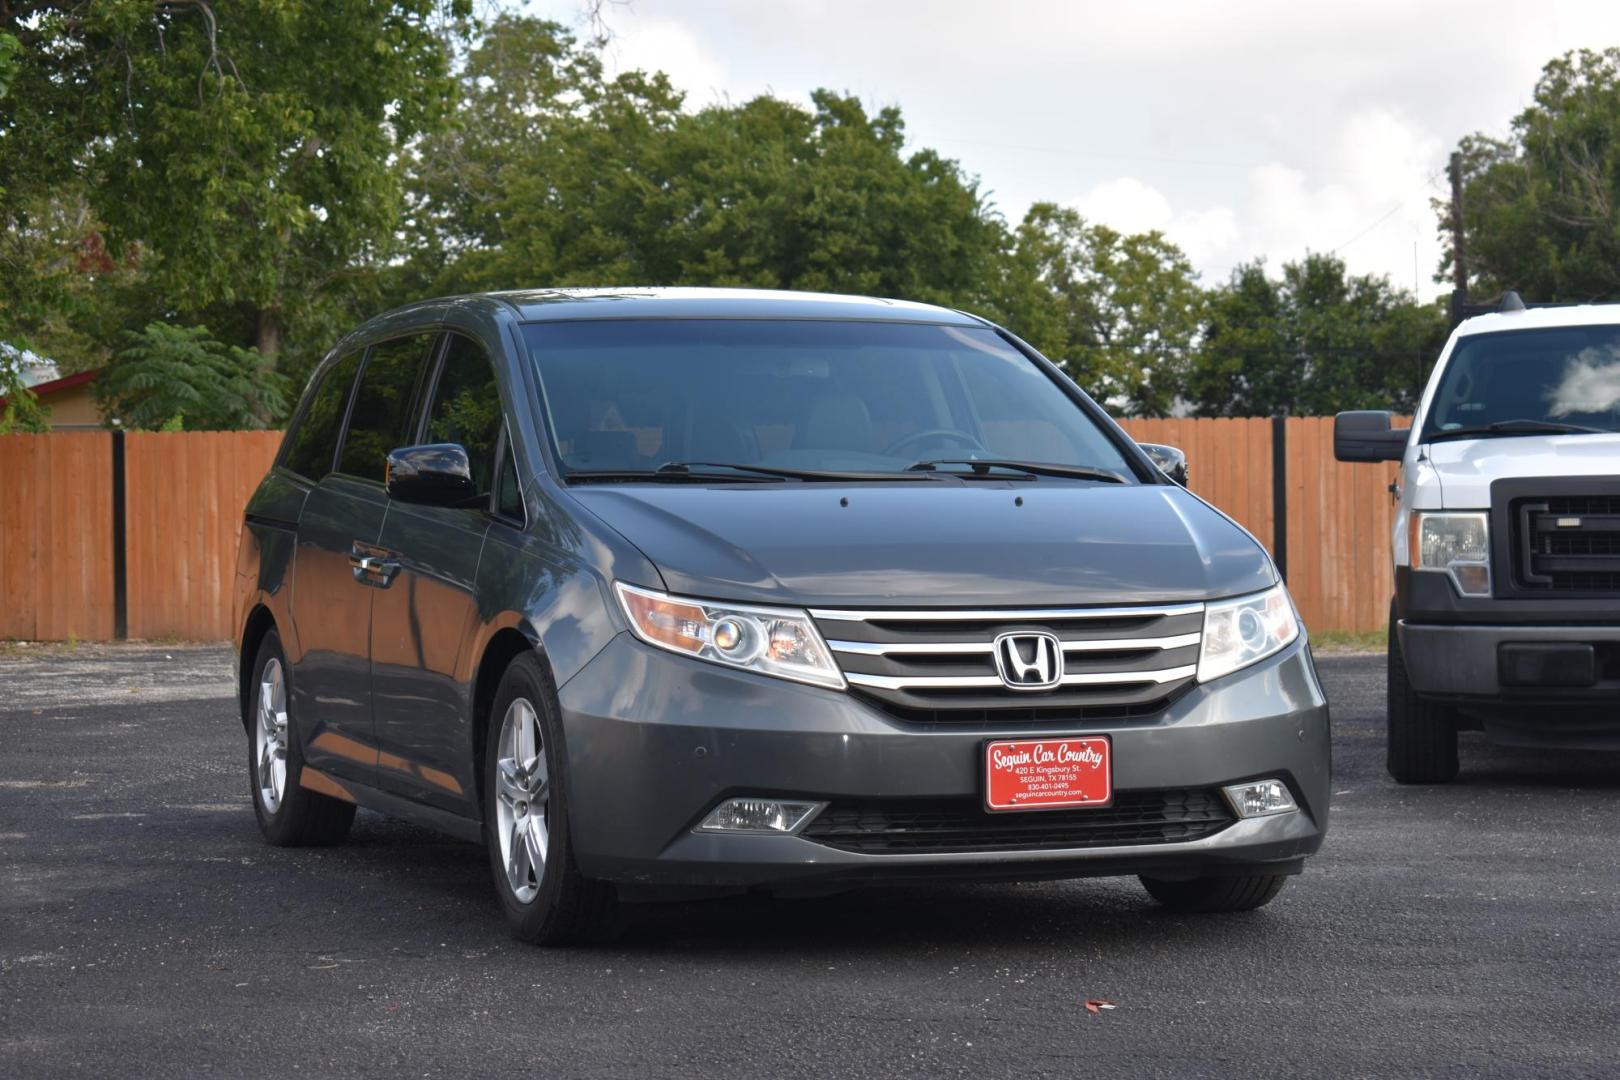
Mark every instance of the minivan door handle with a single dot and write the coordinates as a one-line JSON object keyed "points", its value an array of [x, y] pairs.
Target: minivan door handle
{"points": [[385, 570], [369, 566]]}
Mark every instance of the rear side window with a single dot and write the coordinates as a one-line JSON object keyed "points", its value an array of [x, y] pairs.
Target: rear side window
{"points": [[466, 407], [383, 415], [313, 443]]}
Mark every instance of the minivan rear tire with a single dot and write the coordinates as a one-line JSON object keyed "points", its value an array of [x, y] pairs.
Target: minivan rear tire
{"points": [[1422, 733], [1216, 892], [566, 907], [301, 818]]}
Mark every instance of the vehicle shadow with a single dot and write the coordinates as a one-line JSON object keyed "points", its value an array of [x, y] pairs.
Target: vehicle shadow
{"points": [[924, 919], [1488, 763]]}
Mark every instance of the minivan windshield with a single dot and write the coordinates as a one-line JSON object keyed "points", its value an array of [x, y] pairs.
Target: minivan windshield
{"points": [[1564, 380], [845, 398]]}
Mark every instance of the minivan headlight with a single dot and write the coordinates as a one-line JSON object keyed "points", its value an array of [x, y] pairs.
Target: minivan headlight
{"points": [[1453, 543], [772, 641], [1239, 632]]}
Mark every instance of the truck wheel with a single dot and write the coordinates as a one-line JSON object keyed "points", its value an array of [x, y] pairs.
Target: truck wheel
{"points": [[1422, 734], [1216, 892]]}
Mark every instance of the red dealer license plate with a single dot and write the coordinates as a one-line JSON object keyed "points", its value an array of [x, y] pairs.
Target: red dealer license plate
{"points": [[1046, 774]]}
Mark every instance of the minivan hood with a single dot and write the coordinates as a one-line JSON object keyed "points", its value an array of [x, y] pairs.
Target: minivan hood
{"points": [[945, 543], [1466, 467]]}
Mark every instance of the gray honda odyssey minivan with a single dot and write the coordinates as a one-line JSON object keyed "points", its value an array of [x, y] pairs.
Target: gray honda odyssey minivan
{"points": [[656, 592]]}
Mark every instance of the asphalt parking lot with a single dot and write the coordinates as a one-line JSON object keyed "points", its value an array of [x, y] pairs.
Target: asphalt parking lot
{"points": [[144, 928]]}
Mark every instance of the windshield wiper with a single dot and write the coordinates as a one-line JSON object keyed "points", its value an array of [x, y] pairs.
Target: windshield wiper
{"points": [[690, 468], [1516, 427], [1029, 469], [579, 476]]}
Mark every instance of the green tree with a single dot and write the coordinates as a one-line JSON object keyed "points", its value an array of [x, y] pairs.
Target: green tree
{"points": [[1311, 343], [249, 150], [20, 410], [1122, 313], [1541, 209], [169, 377], [553, 174]]}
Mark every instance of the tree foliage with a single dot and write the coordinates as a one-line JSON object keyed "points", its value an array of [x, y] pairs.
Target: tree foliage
{"points": [[173, 377], [278, 170], [248, 150], [1541, 208], [20, 410], [551, 173], [1122, 313], [1316, 341]]}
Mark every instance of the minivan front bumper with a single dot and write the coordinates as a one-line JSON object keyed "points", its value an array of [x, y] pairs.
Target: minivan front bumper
{"points": [[655, 740]]}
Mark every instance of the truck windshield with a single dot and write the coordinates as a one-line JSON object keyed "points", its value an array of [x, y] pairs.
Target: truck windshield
{"points": [[626, 396], [1530, 382]]}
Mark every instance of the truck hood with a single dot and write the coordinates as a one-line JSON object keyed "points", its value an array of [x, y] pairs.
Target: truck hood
{"points": [[946, 543], [1465, 468]]}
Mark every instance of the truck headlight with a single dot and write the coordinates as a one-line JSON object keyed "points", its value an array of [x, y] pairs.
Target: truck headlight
{"points": [[1453, 543], [1240, 632], [772, 641]]}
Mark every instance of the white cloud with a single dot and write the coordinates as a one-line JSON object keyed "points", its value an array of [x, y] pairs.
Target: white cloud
{"points": [[656, 44], [1372, 206]]}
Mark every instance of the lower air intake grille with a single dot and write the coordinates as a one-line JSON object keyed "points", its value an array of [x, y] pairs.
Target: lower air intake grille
{"points": [[899, 826]]}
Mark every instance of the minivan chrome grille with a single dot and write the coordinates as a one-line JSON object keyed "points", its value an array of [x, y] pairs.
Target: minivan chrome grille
{"points": [[942, 662]]}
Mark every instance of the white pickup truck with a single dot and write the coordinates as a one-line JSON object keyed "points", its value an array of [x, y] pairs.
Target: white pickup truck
{"points": [[1506, 616]]}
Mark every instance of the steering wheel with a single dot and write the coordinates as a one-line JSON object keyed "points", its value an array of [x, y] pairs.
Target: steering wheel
{"points": [[918, 437]]}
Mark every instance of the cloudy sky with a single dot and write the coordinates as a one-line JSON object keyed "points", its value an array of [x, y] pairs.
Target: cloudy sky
{"points": [[1241, 129]]}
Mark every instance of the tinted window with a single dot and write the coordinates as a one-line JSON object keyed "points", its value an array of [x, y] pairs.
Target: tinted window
{"points": [[381, 419], [1569, 375], [509, 496], [466, 407], [820, 395], [313, 444]]}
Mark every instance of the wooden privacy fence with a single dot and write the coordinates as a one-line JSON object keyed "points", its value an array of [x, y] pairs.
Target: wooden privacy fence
{"points": [[72, 565], [64, 551]]}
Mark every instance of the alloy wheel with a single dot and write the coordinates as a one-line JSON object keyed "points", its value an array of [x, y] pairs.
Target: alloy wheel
{"points": [[522, 797], [270, 735]]}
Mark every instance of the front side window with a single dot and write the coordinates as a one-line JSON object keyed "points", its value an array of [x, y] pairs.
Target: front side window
{"points": [[509, 497], [384, 406], [1565, 377], [313, 444], [826, 396], [466, 407]]}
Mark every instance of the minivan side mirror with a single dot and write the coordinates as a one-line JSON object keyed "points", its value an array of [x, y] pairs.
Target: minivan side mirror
{"points": [[1171, 461], [1366, 435], [438, 474]]}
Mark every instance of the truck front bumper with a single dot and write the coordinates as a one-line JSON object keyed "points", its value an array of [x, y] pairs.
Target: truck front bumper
{"points": [[1528, 685]]}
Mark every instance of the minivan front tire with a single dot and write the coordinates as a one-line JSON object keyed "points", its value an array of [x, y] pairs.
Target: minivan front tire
{"points": [[1422, 734], [545, 899], [289, 814], [1216, 892]]}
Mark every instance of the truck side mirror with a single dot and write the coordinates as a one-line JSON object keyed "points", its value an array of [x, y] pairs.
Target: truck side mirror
{"points": [[1366, 435], [1171, 461]]}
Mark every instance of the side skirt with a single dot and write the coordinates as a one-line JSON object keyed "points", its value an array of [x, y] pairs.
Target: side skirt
{"points": [[395, 806]]}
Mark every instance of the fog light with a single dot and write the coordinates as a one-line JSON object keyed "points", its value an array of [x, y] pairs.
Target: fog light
{"points": [[759, 816], [1259, 798]]}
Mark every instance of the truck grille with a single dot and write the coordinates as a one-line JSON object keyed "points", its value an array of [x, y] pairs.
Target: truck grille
{"points": [[940, 665], [898, 826], [1568, 543]]}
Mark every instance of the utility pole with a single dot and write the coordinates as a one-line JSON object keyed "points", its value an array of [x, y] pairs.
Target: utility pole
{"points": [[1459, 261]]}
